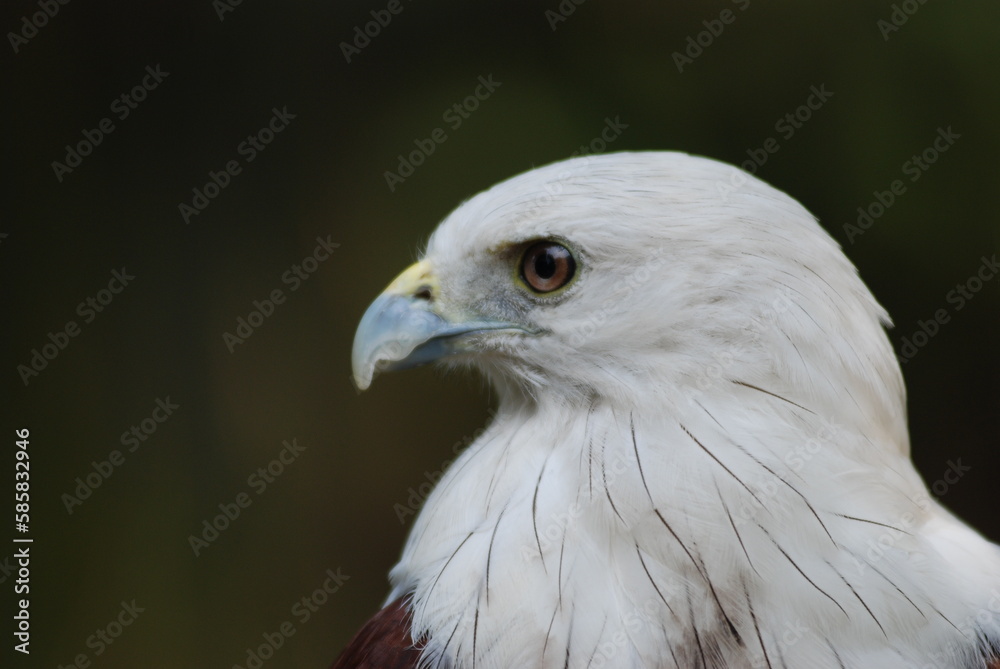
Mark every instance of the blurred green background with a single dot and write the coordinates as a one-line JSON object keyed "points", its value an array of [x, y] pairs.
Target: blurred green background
{"points": [[563, 69]]}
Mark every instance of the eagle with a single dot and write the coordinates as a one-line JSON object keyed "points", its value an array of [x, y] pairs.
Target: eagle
{"points": [[699, 456]]}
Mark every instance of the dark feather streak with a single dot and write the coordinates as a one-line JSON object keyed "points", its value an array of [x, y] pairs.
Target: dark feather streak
{"points": [[489, 554], [835, 654], [732, 523], [650, 577], [898, 589], [798, 569], [548, 632], [874, 522], [607, 491], [728, 470], [796, 491], [475, 634], [454, 553], [768, 392], [534, 517], [562, 550], [698, 566], [697, 637], [756, 626], [855, 592]]}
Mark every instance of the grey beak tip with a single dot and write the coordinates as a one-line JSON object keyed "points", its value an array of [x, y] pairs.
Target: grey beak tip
{"points": [[389, 332]]}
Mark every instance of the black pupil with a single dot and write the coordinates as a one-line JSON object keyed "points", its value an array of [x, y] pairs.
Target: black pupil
{"points": [[545, 264]]}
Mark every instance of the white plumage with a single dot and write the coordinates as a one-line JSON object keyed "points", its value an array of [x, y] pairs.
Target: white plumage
{"points": [[700, 456]]}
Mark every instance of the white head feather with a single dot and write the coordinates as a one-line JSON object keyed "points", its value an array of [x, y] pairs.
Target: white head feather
{"points": [[700, 460]]}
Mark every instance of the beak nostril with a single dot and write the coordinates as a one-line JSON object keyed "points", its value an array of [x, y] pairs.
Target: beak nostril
{"points": [[424, 293]]}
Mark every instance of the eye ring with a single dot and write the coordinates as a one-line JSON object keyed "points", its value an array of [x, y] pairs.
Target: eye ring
{"points": [[547, 266]]}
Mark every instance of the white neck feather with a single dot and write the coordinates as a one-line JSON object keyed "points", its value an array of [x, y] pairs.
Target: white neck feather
{"points": [[652, 525]]}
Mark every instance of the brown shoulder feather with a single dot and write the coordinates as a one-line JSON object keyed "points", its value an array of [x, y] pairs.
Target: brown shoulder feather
{"points": [[383, 643]]}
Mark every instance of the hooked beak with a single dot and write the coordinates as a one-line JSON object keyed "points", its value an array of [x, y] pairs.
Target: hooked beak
{"points": [[406, 326]]}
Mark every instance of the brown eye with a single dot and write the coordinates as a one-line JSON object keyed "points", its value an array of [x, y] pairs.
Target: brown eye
{"points": [[547, 266]]}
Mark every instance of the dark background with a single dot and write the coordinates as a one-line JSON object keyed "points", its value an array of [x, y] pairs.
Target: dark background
{"points": [[335, 506]]}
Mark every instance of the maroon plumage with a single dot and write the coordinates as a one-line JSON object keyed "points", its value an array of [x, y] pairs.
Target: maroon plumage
{"points": [[383, 643]]}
